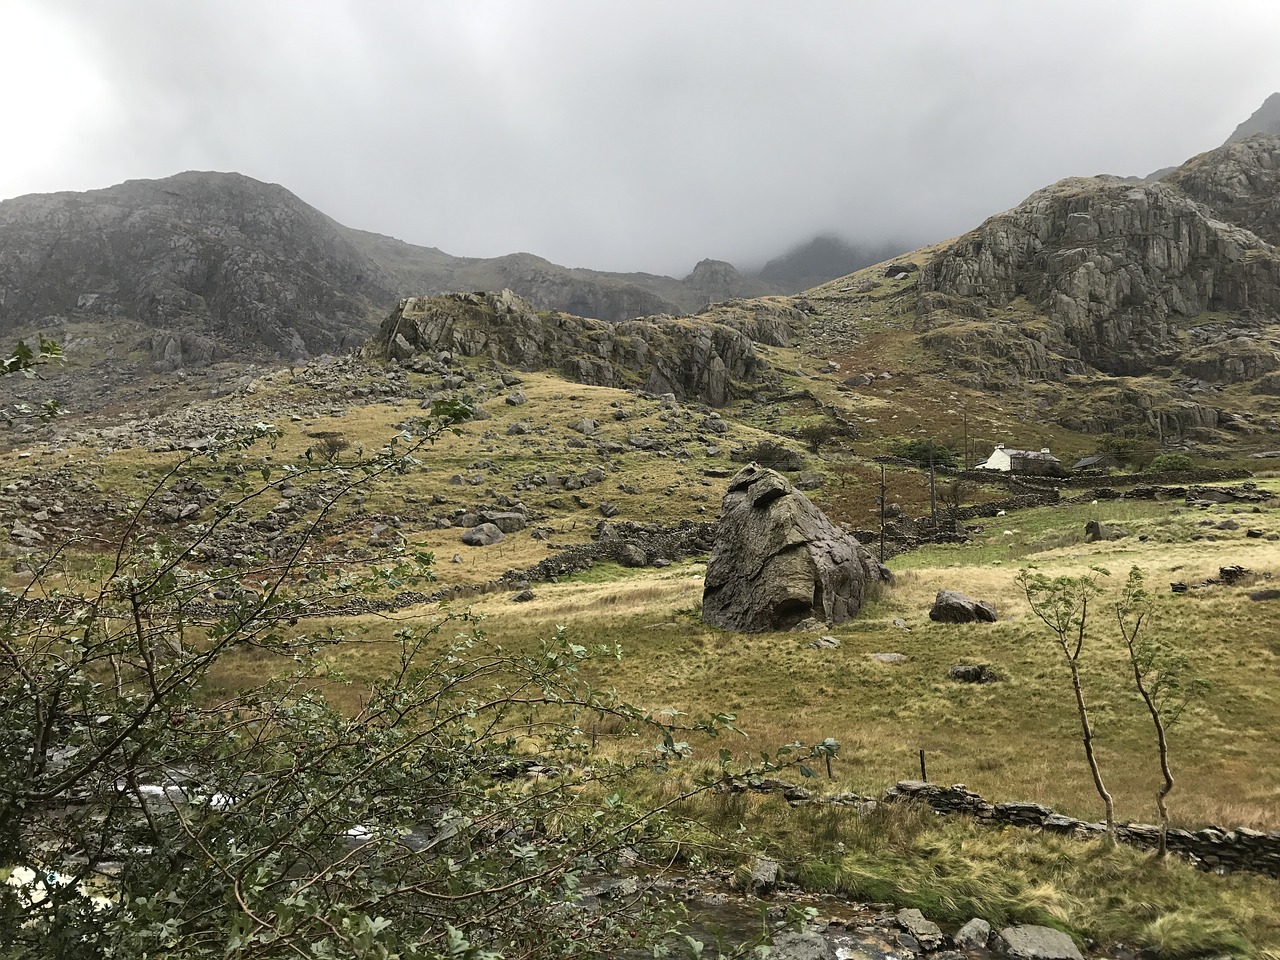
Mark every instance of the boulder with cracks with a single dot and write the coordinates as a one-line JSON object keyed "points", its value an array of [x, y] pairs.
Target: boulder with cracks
{"points": [[778, 560]]}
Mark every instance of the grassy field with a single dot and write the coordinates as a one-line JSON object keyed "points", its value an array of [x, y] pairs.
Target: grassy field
{"points": [[1014, 739]]}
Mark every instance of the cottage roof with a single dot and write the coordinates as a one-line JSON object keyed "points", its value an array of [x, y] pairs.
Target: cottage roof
{"points": [[1032, 455], [1093, 460]]}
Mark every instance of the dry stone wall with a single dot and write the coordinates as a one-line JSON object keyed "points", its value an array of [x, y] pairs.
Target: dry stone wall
{"points": [[1212, 848]]}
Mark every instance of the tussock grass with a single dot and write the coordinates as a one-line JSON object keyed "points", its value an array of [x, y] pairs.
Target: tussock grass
{"points": [[953, 869]]}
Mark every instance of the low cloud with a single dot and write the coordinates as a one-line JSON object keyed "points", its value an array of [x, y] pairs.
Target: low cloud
{"points": [[632, 136]]}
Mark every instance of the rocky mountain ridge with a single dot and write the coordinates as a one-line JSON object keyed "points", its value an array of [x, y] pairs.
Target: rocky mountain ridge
{"points": [[220, 265]]}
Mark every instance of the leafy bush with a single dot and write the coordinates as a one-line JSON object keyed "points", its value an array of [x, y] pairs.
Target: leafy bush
{"points": [[923, 451], [1170, 463]]}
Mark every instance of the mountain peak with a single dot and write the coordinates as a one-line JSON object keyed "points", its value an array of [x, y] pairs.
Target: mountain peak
{"points": [[1266, 119]]}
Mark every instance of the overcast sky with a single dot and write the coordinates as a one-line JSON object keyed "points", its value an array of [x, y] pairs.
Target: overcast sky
{"points": [[628, 134]]}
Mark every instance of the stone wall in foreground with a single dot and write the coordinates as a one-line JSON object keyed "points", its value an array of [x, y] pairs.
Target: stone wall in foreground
{"points": [[1212, 848]]}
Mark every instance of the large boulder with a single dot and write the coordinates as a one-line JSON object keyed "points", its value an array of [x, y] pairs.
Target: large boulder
{"points": [[777, 560], [952, 606], [484, 535]]}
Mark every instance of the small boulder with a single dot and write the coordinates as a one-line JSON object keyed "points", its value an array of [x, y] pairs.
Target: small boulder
{"points": [[632, 555], [484, 535], [524, 596], [927, 933], [973, 935], [765, 875], [802, 945], [1095, 530], [517, 398], [951, 606], [1031, 942], [972, 673]]}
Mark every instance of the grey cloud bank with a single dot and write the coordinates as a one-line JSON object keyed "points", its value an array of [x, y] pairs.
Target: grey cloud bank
{"points": [[633, 136]]}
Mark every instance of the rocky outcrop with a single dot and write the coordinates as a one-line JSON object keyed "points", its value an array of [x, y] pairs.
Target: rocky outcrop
{"points": [[694, 359], [1238, 182], [714, 280], [776, 322], [1109, 265], [777, 560], [1170, 289]]}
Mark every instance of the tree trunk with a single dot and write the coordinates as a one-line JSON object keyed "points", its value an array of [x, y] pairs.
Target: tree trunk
{"points": [[1086, 735]]}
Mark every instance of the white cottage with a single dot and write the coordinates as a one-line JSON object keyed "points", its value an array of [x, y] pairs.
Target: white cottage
{"points": [[1008, 460]]}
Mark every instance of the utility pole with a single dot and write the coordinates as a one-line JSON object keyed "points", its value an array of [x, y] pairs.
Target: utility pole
{"points": [[882, 513], [933, 500]]}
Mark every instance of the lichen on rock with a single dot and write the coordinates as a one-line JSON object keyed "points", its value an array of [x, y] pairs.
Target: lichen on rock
{"points": [[777, 560]]}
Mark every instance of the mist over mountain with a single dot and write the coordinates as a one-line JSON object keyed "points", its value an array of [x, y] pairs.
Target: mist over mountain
{"points": [[1266, 119], [824, 258]]}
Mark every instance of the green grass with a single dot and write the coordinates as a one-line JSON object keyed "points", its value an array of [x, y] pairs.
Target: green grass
{"points": [[954, 869], [1016, 739]]}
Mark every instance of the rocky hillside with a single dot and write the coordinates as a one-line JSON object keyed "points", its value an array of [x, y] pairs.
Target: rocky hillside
{"points": [[709, 358], [216, 265], [1176, 281]]}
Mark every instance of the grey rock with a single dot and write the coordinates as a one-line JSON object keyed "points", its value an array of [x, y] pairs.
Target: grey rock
{"points": [[973, 935], [972, 673], [506, 521], [484, 535], [1095, 530], [632, 555], [705, 358], [951, 606], [765, 874], [516, 399], [825, 642], [1031, 942], [777, 560], [618, 889], [805, 945], [892, 658], [25, 535], [524, 596], [927, 933]]}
